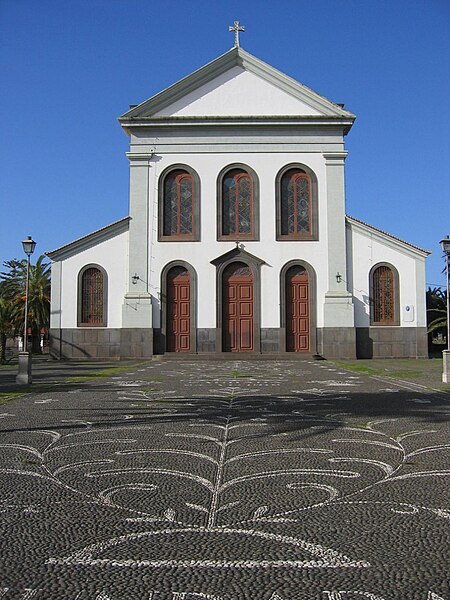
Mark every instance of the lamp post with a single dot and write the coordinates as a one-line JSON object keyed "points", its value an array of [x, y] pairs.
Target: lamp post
{"points": [[24, 374], [445, 243]]}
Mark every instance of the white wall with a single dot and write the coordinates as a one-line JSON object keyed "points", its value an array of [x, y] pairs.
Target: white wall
{"points": [[112, 255], [237, 92], [366, 249], [275, 254]]}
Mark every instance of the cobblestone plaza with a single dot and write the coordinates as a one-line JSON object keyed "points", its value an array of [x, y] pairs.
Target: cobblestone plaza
{"points": [[227, 480]]}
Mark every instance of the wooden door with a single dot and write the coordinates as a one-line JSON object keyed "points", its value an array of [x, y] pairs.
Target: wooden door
{"points": [[238, 308], [178, 322], [297, 310]]}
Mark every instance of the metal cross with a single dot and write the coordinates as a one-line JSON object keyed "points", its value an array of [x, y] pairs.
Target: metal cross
{"points": [[236, 28]]}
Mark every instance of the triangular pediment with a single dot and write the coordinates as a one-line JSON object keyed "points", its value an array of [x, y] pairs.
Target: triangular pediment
{"points": [[238, 92], [236, 84], [238, 254]]}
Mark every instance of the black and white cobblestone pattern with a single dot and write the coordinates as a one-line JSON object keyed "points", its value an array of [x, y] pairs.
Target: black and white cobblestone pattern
{"points": [[255, 480]]}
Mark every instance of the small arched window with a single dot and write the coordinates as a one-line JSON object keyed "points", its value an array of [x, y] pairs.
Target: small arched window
{"points": [[296, 205], [384, 295], [178, 205], [92, 297], [237, 210]]}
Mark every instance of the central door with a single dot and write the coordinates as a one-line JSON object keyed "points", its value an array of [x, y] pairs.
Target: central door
{"points": [[178, 325], [237, 308], [297, 310]]}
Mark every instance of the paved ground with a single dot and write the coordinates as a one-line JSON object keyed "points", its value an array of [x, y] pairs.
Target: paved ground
{"points": [[226, 481]]}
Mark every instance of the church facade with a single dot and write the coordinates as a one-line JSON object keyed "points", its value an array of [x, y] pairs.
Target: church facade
{"points": [[237, 240]]}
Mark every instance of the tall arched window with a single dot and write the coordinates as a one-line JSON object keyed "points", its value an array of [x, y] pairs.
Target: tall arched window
{"points": [[384, 295], [179, 205], [237, 204], [296, 197], [92, 296]]}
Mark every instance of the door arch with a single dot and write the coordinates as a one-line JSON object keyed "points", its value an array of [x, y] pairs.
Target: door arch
{"points": [[238, 308], [178, 310]]}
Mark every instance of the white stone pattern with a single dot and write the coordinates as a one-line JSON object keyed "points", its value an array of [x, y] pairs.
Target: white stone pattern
{"points": [[38, 594], [209, 493]]}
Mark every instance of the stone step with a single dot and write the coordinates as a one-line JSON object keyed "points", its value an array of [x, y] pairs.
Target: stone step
{"points": [[233, 356]]}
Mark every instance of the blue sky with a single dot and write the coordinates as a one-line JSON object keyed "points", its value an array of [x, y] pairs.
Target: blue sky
{"points": [[70, 68]]}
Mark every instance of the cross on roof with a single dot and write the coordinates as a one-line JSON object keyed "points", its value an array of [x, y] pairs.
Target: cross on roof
{"points": [[236, 28]]}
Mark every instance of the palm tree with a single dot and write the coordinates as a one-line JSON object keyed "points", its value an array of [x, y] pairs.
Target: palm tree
{"points": [[437, 310], [14, 283]]}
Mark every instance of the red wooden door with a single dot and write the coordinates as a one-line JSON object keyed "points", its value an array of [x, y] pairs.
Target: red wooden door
{"points": [[237, 308], [297, 310], [178, 325]]}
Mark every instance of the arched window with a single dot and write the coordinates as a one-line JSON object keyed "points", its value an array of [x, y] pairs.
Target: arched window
{"points": [[384, 295], [296, 197], [237, 209], [92, 296], [179, 205]]}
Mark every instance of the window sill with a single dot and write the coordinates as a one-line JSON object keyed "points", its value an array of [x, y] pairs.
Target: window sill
{"points": [[174, 238]]}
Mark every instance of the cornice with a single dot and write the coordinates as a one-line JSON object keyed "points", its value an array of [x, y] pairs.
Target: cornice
{"points": [[335, 158], [230, 121], [139, 159]]}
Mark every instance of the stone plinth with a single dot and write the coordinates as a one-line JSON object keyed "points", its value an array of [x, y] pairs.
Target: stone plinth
{"points": [[24, 376]]}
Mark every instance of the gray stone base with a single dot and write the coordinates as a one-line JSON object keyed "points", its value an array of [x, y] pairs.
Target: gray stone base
{"points": [[206, 340], [100, 344], [336, 342], [332, 342], [270, 340], [391, 342]]}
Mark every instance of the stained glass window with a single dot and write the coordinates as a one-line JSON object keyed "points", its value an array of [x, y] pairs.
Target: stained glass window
{"points": [[296, 204], [92, 297], [178, 204], [237, 204], [383, 291]]}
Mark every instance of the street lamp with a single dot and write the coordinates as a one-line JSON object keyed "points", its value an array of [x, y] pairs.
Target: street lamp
{"points": [[24, 374], [445, 243]]}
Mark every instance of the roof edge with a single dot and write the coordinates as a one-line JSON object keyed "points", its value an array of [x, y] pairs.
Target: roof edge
{"points": [[235, 57], [290, 85], [186, 84], [364, 225], [84, 242]]}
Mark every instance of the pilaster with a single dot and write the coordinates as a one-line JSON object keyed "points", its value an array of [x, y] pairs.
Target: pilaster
{"points": [[338, 305], [55, 310], [137, 306]]}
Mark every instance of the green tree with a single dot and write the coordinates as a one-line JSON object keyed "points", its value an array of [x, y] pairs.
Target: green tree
{"points": [[6, 324], [437, 310], [14, 285]]}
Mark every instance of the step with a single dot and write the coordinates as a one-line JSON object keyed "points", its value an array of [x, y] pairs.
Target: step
{"points": [[233, 356]]}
